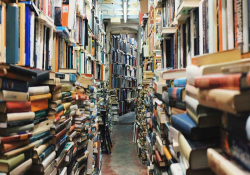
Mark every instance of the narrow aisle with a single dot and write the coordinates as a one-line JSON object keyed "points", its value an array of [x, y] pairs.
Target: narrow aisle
{"points": [[123, 159]]}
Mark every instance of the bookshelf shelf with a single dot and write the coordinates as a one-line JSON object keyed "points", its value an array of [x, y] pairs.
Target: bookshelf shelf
{"points": [[184, 9]]}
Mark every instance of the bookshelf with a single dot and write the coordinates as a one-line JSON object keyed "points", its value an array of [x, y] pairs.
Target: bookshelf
{"points": [[54, 54], [194, 35], [123, 70]]}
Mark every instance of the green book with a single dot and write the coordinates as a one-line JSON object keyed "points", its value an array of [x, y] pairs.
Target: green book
{"points": [[39, 114], [16, 129], [10, 164]]}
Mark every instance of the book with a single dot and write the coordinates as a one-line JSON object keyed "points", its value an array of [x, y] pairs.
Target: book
{"points": [[177, 93], [238, 80], [217, 68], [225, 166], [17, 116], [13, 85], [195, 152], [232, 101], [39, 90], [39, 105], [180, 82], [5, 147], [67, 71], [214, 58], [186, 126], [15, 138], [45, 163], [10, 164], [173, 74], [13, 96], [22, 168], [16, 129], [12, 34]]}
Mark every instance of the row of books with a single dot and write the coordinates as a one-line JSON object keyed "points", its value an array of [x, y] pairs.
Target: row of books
{"points": [[121, 58], [120, 82], [122, 70], [203, 27], [35, 36], [48, 124]]}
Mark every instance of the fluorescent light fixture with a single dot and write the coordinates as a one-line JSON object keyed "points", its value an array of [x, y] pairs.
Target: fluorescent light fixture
{"points": [[125, 10]]}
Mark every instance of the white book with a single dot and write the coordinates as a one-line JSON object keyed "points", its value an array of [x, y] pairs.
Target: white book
{"points": [[32, 31], [192, 34], [64, 171], [176, 169], [230, 25], [72, 14], [212, 29], [39, 90], [245, 26], [49, 159], [51, 51], [224, 25], [201, 27], [40, 59]]}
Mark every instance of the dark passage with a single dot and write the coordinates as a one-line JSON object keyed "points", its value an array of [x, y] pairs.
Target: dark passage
{"points": [[123, 159]]}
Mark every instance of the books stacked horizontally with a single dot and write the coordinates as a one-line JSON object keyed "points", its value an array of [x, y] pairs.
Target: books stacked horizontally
{"points": [[16, 126], [141, 123], [220, 95]]}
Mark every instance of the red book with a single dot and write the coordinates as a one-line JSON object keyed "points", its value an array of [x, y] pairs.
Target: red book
{"points": [[59, 136], [15, 138], [5, 147], [248, 79], [222, 80], [80, 97], [11, 107]]}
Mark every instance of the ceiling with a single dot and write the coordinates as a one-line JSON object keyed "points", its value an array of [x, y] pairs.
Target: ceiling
{"points": [[115, 9]]}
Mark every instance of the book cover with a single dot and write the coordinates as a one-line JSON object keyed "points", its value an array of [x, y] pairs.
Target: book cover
{"points": [[39, 90], [15, 138], [176, 93], [39, 105], [187, 126], [10, 107], [10, 164], [13, 85], [12, 34]]}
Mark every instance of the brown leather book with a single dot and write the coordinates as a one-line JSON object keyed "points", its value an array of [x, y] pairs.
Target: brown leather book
{"points": [[5, 147], [58, 136]]}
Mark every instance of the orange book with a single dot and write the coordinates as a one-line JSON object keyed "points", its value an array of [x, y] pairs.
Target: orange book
{"points": [[40, 97], [65, 15], [102, 72], [145, 64], [39, 105], [220, 25], [6, 147]]}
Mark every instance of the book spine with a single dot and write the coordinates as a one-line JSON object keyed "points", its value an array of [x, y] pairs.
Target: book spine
{"points": [[46, 152], [39, 90], [14, 96], [179, 82], [59, 75], [236, 148], [239, 23], [66, 94], [219, 81], [59, 108], [175, 93], [40, 97], [39, 136], [19, 123], [14, 85]]}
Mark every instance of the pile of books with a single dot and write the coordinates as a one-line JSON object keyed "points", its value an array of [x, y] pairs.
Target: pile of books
{"points": [[140, 126]]}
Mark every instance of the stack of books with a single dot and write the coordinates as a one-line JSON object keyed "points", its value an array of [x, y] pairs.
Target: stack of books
{"points": [[219, 98], [16, 126]]}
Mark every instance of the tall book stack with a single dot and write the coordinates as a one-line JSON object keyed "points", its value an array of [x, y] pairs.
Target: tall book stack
{"points": [[140, 126], [123, 68], [17, 124], [227, 109], [114, 105]]}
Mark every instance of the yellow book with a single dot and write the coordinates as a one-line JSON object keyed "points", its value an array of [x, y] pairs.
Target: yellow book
{"points": [[22, 33]]}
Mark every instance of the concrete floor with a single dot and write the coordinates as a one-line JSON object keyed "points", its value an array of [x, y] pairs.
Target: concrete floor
{"points": [[123, 159]]}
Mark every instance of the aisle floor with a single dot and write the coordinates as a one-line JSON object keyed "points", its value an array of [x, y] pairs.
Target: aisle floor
{"points": [[123, 159]]}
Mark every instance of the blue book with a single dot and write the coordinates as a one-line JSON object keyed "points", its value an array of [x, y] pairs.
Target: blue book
{"points": [[59, 108], [39, 136], [27, 35], [13, 85], [46, 152], [181, 82], [12, 35], [72, 77], [187, 127], [176, 93]]}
